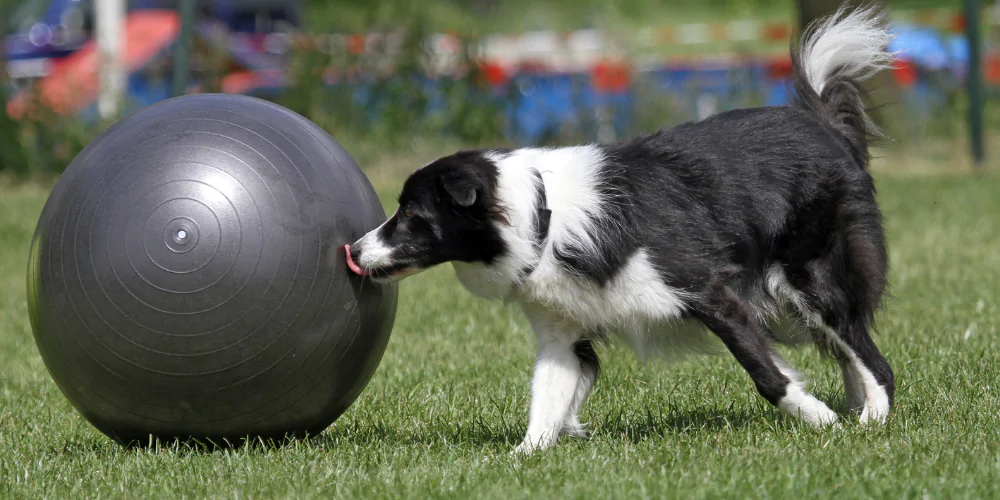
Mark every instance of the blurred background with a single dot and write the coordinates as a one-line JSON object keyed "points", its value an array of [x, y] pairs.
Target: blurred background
{"points": [[390, 75]]}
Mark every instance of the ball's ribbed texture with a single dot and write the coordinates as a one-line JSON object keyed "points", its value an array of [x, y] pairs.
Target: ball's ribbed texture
{"points": [[187, 276]]}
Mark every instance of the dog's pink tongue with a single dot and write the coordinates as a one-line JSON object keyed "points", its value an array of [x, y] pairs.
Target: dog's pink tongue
{"points": [[353, 266]]}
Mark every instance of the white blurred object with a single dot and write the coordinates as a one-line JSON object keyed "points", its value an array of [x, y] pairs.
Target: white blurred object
{"points": [[110, 15], [707, 105]]}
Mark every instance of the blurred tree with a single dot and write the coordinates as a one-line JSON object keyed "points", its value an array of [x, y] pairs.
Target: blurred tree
{"points": [[810, 10], [12, 153]]}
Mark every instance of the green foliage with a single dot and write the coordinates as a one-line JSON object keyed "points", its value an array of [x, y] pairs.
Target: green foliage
{"points": [[40, 143], [491, 16], [49, 144], [13, 156], [386, 99]]}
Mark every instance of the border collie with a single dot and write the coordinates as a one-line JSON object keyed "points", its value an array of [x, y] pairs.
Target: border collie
{"points": [[756, 225]]}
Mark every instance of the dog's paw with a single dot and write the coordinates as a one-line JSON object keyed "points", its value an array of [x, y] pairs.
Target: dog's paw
{"points": [[873, 416], [800, 404], [529, 445], [525, 448]]}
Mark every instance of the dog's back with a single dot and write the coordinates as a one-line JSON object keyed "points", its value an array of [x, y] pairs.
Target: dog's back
{"points": [[731, 196]]}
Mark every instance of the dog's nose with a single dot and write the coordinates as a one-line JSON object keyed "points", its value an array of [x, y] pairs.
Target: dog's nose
{"points": [[352, 264], [355, 253]]}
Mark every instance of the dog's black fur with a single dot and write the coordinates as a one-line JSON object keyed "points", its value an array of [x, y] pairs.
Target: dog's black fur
{"points": [[722, 199]]}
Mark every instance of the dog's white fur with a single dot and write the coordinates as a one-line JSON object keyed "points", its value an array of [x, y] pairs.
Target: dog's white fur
{"points": [[851, 44]]}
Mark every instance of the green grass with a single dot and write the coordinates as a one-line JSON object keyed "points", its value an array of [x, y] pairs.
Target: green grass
{"points": [[449, 400]]}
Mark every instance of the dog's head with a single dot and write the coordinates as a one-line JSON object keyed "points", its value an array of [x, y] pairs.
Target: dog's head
{"points": [[447, 212]]}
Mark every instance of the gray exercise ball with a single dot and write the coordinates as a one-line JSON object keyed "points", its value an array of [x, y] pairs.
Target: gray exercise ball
{"points": [[187, 276]]}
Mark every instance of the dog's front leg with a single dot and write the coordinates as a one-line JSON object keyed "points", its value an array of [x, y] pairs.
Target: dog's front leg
{"points": [[554, 384]]}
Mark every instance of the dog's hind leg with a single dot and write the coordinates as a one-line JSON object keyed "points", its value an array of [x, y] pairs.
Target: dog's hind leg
{"points": [[560, 382], [869, 384], [734, 322], [590, 367], [839, 293]]}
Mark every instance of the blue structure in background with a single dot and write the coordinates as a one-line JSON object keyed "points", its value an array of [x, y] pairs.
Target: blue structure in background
{"points": [[50, 29], [544, 104], [547, 103]]}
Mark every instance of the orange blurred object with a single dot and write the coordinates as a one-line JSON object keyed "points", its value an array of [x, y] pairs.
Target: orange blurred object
{"points": [[611, 76], [72, 84]]}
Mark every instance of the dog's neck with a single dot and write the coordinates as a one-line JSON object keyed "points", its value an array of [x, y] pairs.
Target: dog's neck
{"points": [[547, 194], [521, 193], [543, 217]]}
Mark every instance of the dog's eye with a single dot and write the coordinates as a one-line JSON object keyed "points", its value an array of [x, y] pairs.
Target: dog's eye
{"points": [[408, 212]]}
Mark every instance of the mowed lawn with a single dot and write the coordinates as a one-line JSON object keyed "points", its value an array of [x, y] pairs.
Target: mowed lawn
{"points": [[449, 400]]}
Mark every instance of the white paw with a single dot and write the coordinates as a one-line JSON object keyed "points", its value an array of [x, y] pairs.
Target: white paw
{"points": [[873, 415], [526, 448], [820, 420], [876, 407], [530, 445], [801, 404]]}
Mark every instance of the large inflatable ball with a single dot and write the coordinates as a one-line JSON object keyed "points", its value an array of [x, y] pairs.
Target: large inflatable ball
{"points": [[187, 276]]}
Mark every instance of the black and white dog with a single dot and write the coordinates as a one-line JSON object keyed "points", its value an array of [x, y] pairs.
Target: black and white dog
{"points": [[759, 224]]}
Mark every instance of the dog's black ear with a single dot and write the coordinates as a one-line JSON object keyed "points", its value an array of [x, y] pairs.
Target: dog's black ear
{"points": [[463, 189]]}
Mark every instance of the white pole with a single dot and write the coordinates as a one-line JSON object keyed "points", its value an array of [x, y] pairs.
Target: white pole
{"points": [[110, 45]]}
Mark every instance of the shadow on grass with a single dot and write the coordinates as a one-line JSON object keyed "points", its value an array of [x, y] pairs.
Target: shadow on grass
{"points": [[636, 426], [629, 424], [104, 446], [633, 427], [478, 434]]}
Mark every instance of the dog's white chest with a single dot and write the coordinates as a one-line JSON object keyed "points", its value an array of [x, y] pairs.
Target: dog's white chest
{"points": [[636, 295]]}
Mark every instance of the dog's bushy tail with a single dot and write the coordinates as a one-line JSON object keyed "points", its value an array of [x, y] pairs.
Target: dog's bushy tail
{"points": [[835, 55]]}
